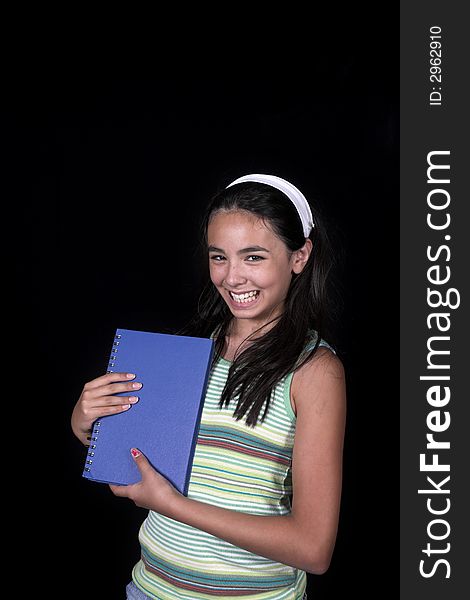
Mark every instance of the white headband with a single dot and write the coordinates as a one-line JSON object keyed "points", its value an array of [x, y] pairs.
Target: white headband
{"points": [[295, 195]]}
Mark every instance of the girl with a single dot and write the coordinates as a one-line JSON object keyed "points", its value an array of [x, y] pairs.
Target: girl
{"points": [[263, 503]]}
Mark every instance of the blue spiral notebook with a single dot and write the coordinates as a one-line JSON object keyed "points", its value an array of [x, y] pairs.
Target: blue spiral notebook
{"points": [[164, 423]]}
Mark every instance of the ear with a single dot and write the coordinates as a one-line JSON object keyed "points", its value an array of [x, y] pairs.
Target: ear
{"points": [[300, 257]]}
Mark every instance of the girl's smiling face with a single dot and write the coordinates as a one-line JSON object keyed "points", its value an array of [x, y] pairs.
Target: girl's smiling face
{"points": [[251, 266]]}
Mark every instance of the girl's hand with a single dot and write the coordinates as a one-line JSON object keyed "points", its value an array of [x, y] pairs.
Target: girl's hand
{"points": [[153, 491], [97, 400]]}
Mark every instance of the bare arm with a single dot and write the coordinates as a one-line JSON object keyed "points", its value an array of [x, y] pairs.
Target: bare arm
{"points": [[304, 539]]}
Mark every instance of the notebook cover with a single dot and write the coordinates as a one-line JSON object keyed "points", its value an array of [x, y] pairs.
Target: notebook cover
{"points": [[164, 424]]}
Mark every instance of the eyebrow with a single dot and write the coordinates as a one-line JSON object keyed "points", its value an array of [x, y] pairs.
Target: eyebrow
{"points": [[243, 251]]}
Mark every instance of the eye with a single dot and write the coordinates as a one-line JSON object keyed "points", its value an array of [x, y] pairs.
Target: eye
{"points": [[217, 257], [255, 257]]}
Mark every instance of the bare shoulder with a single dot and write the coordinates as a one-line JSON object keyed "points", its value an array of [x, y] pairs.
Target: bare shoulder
{"points": [[320, 380]]}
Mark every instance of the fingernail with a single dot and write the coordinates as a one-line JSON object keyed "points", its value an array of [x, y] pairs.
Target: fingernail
{"points": [[133, 399], [135, 453], [130, 375], [136, 386], [126, 406]]}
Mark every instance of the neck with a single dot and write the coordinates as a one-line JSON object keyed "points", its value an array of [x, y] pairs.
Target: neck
{"points": [[240, 329]]}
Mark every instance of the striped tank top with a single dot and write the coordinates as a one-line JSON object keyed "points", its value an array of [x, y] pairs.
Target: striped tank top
{"points": [[238, 468]]}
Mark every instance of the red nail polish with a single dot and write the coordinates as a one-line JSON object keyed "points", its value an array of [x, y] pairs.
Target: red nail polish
{"points": [[135, 453]]}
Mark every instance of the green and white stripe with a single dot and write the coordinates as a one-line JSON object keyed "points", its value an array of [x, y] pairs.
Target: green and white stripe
{"points": [[238, 468]]}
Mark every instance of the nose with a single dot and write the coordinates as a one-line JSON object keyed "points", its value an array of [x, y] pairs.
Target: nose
{"points": [[234, 275]]}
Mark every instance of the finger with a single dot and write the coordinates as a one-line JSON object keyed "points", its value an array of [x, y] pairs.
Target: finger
{"points": [[123, 400], [106, 401], [119, 490], [118, 388], [108, 378], [93, 407], [103, 411], [98, 397], [140, 460]]}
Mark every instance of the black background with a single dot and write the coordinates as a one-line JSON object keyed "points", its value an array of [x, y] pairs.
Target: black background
{"points": [[116, 163]]}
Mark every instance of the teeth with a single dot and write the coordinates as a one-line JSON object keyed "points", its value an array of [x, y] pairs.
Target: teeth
{"points": [[245, 298]]}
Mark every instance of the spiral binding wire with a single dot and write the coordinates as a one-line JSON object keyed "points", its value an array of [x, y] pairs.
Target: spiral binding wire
{"points": [[97, 424], [92, 446], [114, 351]]}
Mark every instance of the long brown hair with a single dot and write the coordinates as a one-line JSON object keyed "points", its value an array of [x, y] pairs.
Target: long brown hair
{"points": [[309, 305]]}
